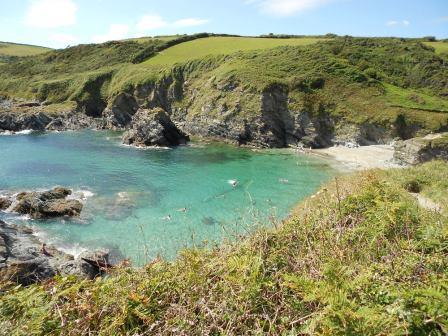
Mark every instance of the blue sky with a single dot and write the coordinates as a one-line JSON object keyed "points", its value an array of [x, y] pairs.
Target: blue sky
{"points": [[58, 23]]}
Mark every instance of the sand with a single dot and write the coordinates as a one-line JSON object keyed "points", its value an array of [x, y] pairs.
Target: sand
{"points": [[359, 158]]}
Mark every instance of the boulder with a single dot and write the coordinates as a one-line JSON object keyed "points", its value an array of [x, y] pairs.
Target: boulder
{"points": [[5, 203], [154, 128], [47, 204], [419, 150]]}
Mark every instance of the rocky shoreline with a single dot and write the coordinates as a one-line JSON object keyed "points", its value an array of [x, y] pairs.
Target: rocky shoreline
{"points": [[150, 117], [24, 259]]}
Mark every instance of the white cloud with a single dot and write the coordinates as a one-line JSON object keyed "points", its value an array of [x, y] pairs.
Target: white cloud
{"points": [[155, 22], [63, 40], [286, 7], [393, 23], [116, 32], [51, 13], [151, 22], [190, 22]]}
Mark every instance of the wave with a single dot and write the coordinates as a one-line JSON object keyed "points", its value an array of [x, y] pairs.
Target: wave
{"points": [[23, 132], [81, 195], [146, 147], [74, 249]]}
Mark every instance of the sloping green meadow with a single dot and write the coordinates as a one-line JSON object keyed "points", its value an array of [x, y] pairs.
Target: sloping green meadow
{"points": [[14, 49], [200, 48]]}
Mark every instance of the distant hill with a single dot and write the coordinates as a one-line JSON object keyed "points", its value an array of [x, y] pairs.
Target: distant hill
{"points": [[9, 50]]}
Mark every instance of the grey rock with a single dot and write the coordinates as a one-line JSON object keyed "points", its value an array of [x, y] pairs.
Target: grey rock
{"points": [[419, 150], [22, 260], [153, 128], [47, 204], [120, 114]]}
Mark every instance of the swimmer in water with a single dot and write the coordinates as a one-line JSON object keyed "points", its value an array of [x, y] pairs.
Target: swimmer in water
{"points": [[167, 218], [182, 210], [233, 183]]}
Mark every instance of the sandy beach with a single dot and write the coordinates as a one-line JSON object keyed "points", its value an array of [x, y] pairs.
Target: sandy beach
{"points": [[359, 158]]}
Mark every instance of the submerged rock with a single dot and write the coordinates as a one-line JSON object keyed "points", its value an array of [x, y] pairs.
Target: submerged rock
{"points": [[419, 150], [47, 204], [154, 128]]}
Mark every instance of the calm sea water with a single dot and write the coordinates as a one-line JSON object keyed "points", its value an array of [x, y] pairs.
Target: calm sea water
{"points": [[144, 203]]}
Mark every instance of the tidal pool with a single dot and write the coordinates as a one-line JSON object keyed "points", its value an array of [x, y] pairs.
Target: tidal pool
{"points": [[143, 203]]}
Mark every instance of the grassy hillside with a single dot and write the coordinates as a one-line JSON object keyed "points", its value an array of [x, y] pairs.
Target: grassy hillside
{"points": [[441, 47], [360, 80], [222, 46], [360, 257], [11, 51], [14, 49]]}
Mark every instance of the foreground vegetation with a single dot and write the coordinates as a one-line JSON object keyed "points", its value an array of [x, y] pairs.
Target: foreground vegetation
{"points": [[360, 257]]}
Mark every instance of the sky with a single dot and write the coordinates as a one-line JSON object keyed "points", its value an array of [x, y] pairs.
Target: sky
{"points": [[59, 23]]}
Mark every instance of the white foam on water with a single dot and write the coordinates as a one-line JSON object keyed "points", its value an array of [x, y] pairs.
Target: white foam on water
{"points": [[81, 195], [23, 132], [28, 131], [146, 147], [74, 249]]}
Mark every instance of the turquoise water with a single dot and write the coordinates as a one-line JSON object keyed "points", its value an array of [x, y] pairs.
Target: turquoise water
{"points": [[134, 198]]}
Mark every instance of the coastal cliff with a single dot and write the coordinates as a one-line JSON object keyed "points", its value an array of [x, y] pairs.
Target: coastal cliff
{"points": [[346, 91]]}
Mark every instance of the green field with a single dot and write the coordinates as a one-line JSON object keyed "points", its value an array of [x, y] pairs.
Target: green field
{"points": [[13, 49], [145, 39], [440, 47], [221, 46]]}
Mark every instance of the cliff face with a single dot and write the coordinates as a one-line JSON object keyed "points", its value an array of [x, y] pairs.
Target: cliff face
{"points": [[229, 111], [350, 91]]}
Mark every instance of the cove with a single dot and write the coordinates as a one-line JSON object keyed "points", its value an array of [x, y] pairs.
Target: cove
{"points": [[143, 203]]}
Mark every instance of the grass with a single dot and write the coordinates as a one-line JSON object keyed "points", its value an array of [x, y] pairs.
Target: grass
{"points": [[441, 47], [221, 46], [358, 258], [20, 50], [415, 99], [149, 39]]}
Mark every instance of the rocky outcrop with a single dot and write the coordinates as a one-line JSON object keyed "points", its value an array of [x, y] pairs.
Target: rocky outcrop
{"points": [[154, 128], [25, 260], [16, 116], [120, 114], [23, 121], [419, 150], [47, 204]]}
